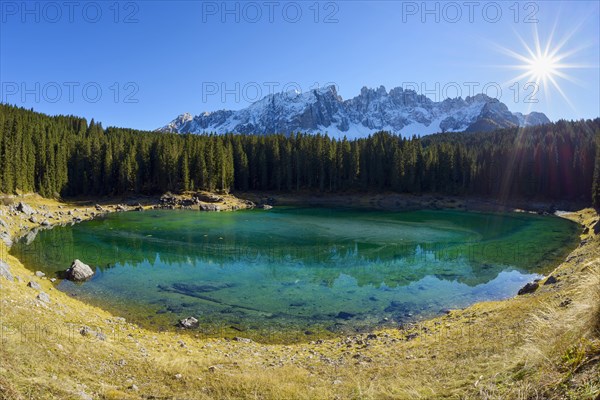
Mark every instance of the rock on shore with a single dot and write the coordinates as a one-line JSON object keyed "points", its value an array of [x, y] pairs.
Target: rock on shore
{"points": [[5, 271]]}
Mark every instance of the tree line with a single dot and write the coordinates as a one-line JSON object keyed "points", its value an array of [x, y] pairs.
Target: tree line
{"points": [[67, 156]]}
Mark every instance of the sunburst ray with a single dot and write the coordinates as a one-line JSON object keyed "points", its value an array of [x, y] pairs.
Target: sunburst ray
{"points": [[545, 64]]}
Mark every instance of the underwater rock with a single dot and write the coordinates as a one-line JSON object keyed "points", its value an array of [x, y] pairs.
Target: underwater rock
{"points": [[30, 236], [193, 288], [396, 306], [237, 328], [345, 315], [175, 309], [335, 328]]}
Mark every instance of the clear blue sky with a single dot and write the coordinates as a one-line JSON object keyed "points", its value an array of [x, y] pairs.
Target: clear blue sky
{"points": [[174, 57]]}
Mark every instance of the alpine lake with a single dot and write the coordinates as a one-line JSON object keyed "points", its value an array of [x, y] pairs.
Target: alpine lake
{"points": [[293, 274]]}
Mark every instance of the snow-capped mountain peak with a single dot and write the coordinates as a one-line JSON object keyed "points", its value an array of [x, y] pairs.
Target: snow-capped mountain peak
{"points": [[322, 110]]}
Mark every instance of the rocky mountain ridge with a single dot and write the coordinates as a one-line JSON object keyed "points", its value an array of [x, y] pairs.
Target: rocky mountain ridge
{"points": [[399, 111]]}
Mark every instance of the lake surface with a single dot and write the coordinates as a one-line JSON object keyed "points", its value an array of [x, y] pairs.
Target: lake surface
{"points": [[298, 273]]}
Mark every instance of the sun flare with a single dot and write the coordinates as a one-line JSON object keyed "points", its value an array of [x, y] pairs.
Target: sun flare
{"points": [[542, 67], [545, 65]]}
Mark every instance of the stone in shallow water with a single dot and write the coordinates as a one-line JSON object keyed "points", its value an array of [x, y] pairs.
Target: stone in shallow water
{"points": [[397, 306], [193, 288], [79, 271], [176, 309], [189, 323], [345, 315]]}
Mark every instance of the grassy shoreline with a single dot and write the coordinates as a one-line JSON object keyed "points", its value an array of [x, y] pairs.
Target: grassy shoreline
{"points": [[544, 344]]}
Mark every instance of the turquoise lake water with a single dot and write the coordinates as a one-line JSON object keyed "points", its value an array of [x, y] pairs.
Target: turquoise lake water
{"points": [[298, 272]]}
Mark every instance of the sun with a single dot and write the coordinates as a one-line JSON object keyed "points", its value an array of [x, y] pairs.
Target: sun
{"points": [[542, 67], [545, 65]]}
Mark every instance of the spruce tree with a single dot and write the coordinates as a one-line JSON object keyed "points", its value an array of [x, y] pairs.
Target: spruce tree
{"points": [[596, 177]]}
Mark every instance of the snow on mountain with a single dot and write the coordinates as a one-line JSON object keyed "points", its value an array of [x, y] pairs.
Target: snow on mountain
{"points": [[322, 110]]}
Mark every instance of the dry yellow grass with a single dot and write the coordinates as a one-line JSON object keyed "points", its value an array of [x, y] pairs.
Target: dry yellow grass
{"points": [[523, 348]]}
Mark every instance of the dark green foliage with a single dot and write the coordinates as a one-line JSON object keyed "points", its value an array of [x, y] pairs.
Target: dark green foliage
{"points": [[596, 179], [66, 156]]}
